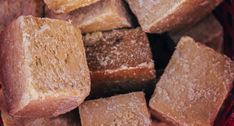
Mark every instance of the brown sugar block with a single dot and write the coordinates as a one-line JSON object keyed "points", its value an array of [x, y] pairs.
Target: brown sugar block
{"points": [[122, 110], [65, 6], [101, 16], [44, 69], [193, 86], [208, 31], [157, 16], [119, 60], [11, 9]]}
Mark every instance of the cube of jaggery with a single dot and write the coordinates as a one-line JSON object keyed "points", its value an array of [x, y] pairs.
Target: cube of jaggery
{"points": [[65, 6], [11, 9], [43, 67], [119, 60], [157, 16], [208, 30], [101, 16], [122, 110], [193, 86], [157, 123]]}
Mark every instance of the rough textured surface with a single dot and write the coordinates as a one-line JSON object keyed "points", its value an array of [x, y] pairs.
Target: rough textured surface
{"points": [[122, 110], [119, 59], [65, 6], [44, 69], [101, 16], [193, 86], [11, 9], [157, 16], [208, 31]]}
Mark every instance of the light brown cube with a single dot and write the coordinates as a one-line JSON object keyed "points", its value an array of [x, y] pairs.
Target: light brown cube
{"points": [[193, 86], [208, 31], [122, 110], [44, 69], [119, 61], [66, 6], [11, 9], [157, 16], [101, 16]]}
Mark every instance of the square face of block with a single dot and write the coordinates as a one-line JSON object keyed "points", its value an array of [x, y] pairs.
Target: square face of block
{"points": [[101, 16], [66, 6], [11, 9], [44, 65], [193, 86], [119, 59], [122, 110], [158, 16], [208, 31]]}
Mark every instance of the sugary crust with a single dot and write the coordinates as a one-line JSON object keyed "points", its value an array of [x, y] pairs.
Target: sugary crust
{"points": [[208, 30], [40, 79], [193, 86], [66, 6], [121, 110], [11, 9], [101, 16], [173, 14]]}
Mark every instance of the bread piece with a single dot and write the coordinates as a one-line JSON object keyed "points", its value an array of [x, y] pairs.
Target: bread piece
{"points": [[119, 61], [65, 6], [193, 86], [11, 9], [122, 110], [157, 16], [208, 31], [101, 16], [44, 68]]}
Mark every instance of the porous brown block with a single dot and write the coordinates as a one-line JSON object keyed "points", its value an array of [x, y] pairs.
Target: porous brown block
{"points": [[194, 85], [122, 110], [65, 6], [157, 16], [11, 9], [43, 67], [119, 60], [208, 31], [101, 16]]}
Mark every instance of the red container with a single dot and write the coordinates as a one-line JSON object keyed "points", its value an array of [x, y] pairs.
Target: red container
{"points": [[225, 14]]}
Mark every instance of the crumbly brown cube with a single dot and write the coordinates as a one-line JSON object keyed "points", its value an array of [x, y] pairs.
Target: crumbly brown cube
{"points": [[11, 9], [194, 85], [122, 110], [65, 6], [157, 16], [156, 123], [119, 60], [44, 69], [208, 31], [101, 16]]}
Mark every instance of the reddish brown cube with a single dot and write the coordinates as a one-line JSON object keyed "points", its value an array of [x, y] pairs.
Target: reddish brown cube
{"points": [[194, 85], [119, 60], [11, 9], [43, 67], [122, 110], [157, 16], [101, 16], [208, 31]]}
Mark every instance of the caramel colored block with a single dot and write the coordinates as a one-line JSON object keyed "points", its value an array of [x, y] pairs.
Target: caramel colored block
{"points": [[66, 6], [122, 110], [193, 86], [119, 60], [44, 69], [101, 16], [157, 16], [208, 31], [11, 9]]}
